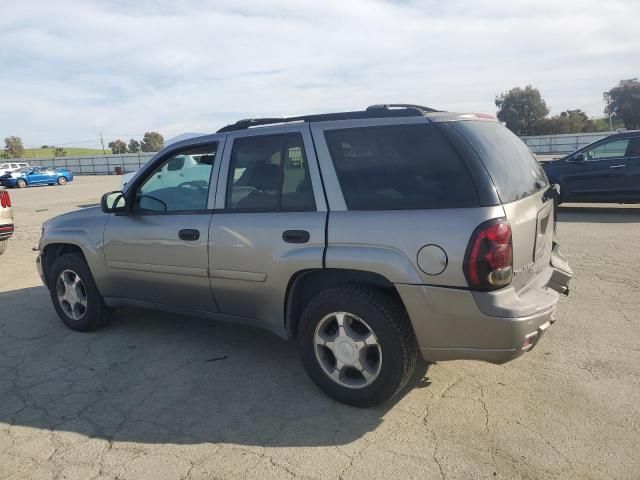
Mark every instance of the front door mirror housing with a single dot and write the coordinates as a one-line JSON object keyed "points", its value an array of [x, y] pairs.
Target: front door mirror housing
{"points": [[578, 158], [113, 202]]}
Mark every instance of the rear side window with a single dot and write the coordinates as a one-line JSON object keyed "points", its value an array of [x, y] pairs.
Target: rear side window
{"points": [[399, 167], [270, 173], [513, 168]]}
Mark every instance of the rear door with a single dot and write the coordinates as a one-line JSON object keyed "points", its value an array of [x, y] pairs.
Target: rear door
{"points": [[269, 221], [632, 170], [521, 183]]}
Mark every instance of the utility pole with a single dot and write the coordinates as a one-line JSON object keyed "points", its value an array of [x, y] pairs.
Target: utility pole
{"points": [[607, 98], [102, 142]]}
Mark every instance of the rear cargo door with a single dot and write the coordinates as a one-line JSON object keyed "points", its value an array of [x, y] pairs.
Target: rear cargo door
{"points": [[521, 185]]}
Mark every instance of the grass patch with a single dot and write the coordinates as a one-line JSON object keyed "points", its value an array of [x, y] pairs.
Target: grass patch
{"points": [[71, 152]]}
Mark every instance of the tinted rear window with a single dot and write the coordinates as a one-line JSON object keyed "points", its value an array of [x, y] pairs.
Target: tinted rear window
{"points": [[399, 167], [514, 170]]}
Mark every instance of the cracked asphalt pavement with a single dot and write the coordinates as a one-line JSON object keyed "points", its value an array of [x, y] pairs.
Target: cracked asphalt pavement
{"points": [[161, 396]]}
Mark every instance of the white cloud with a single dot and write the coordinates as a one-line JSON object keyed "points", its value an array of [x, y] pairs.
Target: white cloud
{"points": [[73, 68]]}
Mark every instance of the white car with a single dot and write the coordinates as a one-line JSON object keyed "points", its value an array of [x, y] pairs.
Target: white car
{"points": [[182, 169], [9, 167]]}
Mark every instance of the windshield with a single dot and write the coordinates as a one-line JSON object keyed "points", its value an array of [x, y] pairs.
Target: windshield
{"points": [[24, 170]]}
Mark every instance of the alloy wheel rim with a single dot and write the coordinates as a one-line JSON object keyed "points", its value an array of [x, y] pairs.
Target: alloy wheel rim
{"points": [[72, 294], [347, 350]]}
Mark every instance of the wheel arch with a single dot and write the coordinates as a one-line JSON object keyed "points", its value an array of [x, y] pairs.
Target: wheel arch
{"points": [[53, 251], [306, 284]]}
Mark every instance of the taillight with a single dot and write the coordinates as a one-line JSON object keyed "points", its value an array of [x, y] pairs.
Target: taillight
{"points": [[488, 263], [5, 200]]}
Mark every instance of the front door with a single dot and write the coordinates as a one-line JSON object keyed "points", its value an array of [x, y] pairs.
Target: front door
{"points": [[602, 175], [269, 221], [158, 252], [37, 176]]}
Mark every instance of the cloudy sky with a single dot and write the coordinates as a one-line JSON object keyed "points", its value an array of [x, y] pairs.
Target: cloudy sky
{"points": [[72, 68]]}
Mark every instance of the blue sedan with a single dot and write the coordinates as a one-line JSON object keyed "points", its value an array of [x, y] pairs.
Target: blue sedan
{"points": [[36, 176]]}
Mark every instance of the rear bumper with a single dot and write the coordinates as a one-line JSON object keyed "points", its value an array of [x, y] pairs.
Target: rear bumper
{"points": [[496, 327]]}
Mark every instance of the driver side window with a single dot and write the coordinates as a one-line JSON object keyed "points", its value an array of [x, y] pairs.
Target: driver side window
{"points": [[179, 184], [612, 149]]}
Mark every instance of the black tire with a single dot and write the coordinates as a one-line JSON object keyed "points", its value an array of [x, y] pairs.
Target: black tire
{"points": [[3, 246], [62, 180], [96, 313], [21, 183], [389, 322]]}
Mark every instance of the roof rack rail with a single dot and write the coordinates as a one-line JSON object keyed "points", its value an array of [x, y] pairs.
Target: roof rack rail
{"points": [[389, 106], [252, 122], [375, 111]]}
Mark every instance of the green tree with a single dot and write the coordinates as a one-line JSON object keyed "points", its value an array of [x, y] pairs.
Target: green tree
{"points": [[118, 146], [602, 124], [134, 146], [13, 147], [59, 152], [570, 121], [521, 109], [623, 102], [152, 142]]}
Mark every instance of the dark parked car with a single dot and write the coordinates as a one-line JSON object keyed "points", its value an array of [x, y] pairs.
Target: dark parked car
{"points": [[605, 171]]}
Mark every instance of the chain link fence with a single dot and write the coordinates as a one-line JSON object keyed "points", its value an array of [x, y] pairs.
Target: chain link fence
{"points": [[562, 144], [96, 164]]}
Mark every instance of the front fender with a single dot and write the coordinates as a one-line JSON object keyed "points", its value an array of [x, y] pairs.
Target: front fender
{"points": [[83, 229]]}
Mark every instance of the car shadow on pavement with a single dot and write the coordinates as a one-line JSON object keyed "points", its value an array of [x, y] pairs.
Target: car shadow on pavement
{"points": [[587, 214], [161, 378]]}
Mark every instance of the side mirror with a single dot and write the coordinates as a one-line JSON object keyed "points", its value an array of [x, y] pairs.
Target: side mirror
{"points": [[113, 202], [579, 158]]}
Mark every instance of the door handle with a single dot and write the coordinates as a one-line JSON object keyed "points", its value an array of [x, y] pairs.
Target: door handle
{"points": [[622, 165], [189, 234], [296, 236]]}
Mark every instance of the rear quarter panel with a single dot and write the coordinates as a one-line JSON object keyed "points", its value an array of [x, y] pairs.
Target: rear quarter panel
{"points": [[388, 242]]}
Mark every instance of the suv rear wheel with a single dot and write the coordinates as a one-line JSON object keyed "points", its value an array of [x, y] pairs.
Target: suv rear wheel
{"points": [[75, 295], [357, 345], [3, 246]]}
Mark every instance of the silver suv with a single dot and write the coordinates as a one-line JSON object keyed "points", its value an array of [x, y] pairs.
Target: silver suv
{"points": [[367, 236]]}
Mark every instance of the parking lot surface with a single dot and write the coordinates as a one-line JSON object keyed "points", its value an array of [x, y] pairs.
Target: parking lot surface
{"points": [[156, 395]]}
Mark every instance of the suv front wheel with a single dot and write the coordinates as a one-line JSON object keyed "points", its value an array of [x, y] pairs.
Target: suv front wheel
{"points": [[357, 345], [75, 295]]}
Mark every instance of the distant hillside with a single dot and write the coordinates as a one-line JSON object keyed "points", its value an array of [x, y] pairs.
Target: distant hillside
{"points": [[71, 152]]}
